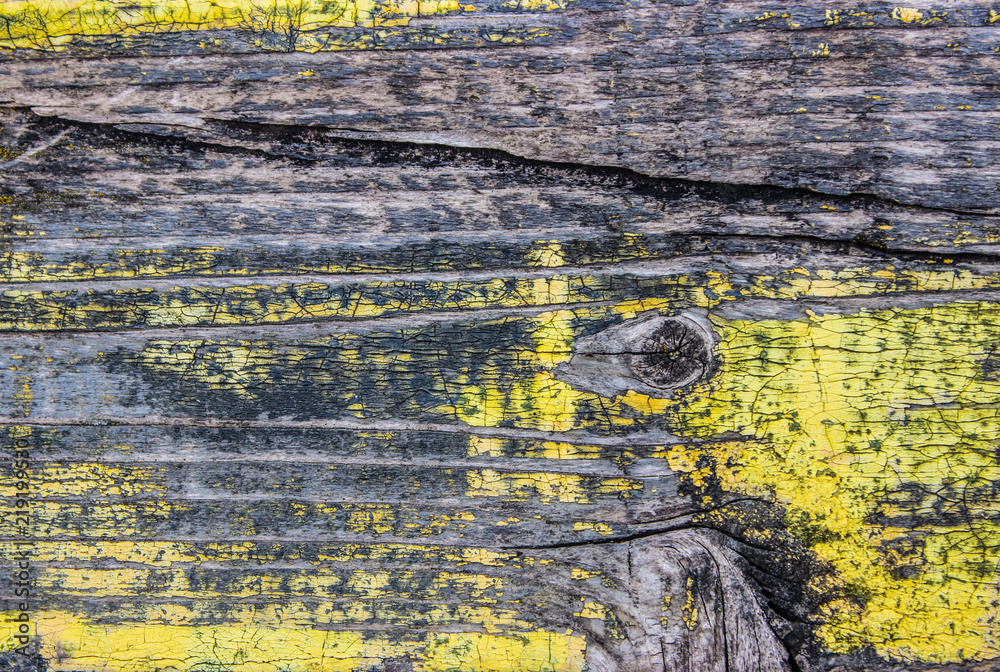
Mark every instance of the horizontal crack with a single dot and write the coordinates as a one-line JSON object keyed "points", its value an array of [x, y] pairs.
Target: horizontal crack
{"points": [[366, 426], [849, 248]]}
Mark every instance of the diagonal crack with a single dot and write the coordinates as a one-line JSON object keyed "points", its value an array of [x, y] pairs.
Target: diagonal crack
{"points": [[298, 142]]}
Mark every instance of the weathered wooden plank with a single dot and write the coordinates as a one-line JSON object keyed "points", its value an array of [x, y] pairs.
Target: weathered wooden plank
{"points": [[567, 94], [876, 372], [500, 336], [595, 218]]}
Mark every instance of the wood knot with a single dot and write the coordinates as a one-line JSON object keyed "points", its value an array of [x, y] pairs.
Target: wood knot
{"points": [[676, 353], [651, 354]]}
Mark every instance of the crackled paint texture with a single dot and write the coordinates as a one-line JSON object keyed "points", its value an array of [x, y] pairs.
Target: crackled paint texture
{"points": [[873, 430], [50, 25], [181, 634], [72, 643], [289, 25], [34, 310], [878, 433]]}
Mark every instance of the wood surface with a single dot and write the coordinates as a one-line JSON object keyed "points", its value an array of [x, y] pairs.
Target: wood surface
{"points": [[522, 336]]}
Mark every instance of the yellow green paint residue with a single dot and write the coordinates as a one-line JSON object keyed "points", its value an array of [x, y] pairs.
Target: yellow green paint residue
{"points": [[878, 432], [55, 23], [32, 310], [155, 553], [190, 305], [279, 24], [875, 432], [549, 487], [69, 643]]}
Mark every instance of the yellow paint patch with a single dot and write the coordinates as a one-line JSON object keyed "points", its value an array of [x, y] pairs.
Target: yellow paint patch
{"points": [[75, 480], [308, 613], [548, 487], [274, 304], [690, 608], [602, 529], [70, 643], [553, 335], [146, 263], [168, 553], [559, 450], [907, 14], [54, 24], [540, 402], [490, 447], [845, 418], [138, 519], [583, 574], [547, 254], [277, 583], [848, 420], [236, 261], [849, 417], [550, 450], [593, 610]]}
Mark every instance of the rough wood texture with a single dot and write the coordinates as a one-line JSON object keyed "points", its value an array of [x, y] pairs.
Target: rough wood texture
{"points": [[535, 336]]}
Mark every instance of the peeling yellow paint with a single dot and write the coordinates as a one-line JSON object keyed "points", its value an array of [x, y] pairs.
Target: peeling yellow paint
{"points": [[70, 643], [842, 417], [547, 254], [906, 14], [74, 480], [602, 529], [593, 610], [839, 410], [275, 583], [479, 445], [583, 574], [236, 261], [541, 402], [548, 487], [690, 608], [843, 411], [274, 304], [111, 519], [290, 24], [161, 554], [549, 450]]}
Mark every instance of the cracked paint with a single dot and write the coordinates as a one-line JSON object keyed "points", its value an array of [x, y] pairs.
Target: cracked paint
{"points": [[286, 25]]}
